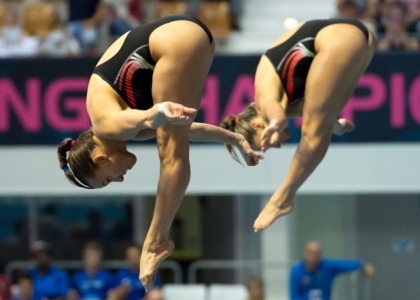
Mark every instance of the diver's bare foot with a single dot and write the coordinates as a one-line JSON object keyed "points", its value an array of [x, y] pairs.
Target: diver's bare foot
{"points": [[154, 252], [271, 212]]}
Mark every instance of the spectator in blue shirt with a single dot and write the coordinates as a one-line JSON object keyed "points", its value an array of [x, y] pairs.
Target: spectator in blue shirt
{"points": [[127, 280], [312, 278], [91, 283], [50, 282]]}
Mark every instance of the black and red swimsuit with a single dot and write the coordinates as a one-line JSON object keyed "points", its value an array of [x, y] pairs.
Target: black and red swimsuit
{"points": [[130, 71], [293, 58]]}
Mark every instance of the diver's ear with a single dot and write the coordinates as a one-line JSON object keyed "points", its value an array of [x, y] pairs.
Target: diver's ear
{"points": [[99, 158], [257, 123]]}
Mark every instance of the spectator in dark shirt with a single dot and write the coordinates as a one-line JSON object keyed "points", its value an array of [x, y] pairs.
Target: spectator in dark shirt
{"points": [[85, 16], [124, 16], [352, 9], [394, 26], [348, 9]]}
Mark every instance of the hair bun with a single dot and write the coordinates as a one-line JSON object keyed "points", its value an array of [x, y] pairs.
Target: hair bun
{"points": [[229, 123]]}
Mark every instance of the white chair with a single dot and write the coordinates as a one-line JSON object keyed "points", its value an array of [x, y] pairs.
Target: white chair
{"points": [[184, 292], [227, 292]]}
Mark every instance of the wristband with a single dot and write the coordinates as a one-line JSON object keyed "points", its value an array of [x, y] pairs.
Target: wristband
{"points": [[160, 108]]}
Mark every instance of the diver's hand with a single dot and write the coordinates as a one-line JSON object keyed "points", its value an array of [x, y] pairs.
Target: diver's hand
{"points": [[251, 157], [271, 135], [342, 126], [175, 113]]}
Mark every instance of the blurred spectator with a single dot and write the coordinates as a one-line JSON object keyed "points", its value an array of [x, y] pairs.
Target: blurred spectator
{"points": [[368, 8], [128, 284], [24, 288], [394, 25], [124, 16], [58, 43], [414, 27], [255, 287], [11, 29], [235, 9], [92, 282], [352, 9], [13, 41], [154, 294], [85, 16], [312, 278], [4, 288], [348, 9], [50, 282], [411, 8]]}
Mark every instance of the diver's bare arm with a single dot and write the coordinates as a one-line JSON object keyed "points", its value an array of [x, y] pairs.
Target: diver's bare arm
{"points": [[126, 124], [267, 92], [145, 134], [200, 132], [271, 110]]}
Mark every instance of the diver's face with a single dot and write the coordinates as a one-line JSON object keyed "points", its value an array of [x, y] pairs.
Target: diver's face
{"points": [[92, 258], [113, 168]]}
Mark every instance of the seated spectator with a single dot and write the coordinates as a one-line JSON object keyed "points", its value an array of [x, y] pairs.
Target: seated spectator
{"points": [[49, 281], [255, 287], [353, 10], [92, 282], [11, 30], [85, 16], [154, 294], [13, 41], [124, 16], [235, 11], [395, 23], [348, 9], [414, 27], [58, 43], [368, 9], [24, 288], [313, 277], [4, 288], [127, 280]]}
